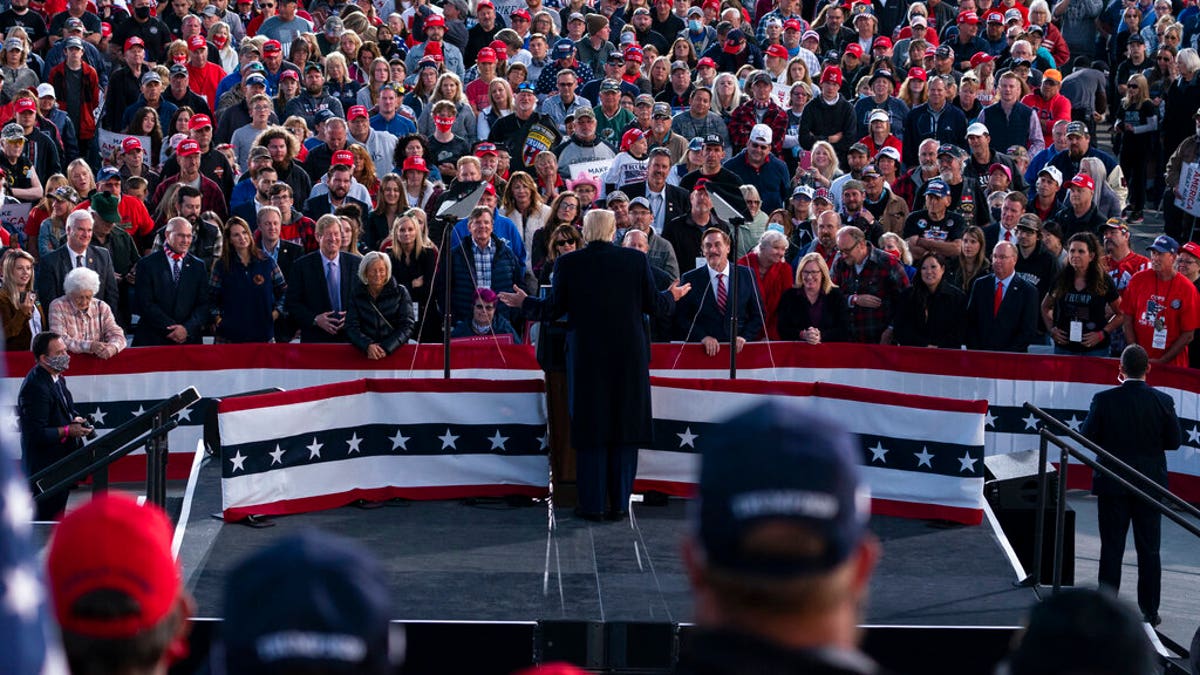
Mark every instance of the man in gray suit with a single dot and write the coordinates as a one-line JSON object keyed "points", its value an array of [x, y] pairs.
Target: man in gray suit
{"points": [[77, 252]]}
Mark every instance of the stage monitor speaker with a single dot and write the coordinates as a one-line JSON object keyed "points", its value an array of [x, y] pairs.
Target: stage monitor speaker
{"points": [[1019, 526], [1011, 481]]}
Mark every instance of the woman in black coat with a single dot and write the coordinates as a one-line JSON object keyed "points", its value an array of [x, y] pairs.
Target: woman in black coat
{"points": [[815, 310], [931, 313], [414, 263], [379, 319]]}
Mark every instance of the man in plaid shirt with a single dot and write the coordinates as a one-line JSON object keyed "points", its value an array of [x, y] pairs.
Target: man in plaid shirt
{"points": [[871, 280]]}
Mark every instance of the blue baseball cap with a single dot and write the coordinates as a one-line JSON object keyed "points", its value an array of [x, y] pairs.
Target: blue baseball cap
{"points": [[696, 144], [310, 600], [937, 187], [1165, 244], [107, 173], [564, 48], [801, 469]]}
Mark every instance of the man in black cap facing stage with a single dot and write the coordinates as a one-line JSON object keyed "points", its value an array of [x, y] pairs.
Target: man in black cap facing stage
{"points": [[779, 557]]}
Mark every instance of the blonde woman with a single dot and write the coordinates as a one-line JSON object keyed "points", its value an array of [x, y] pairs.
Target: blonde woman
{"points": [[726, 95], [381, 74], [500, 103], [912, 91], [19, 310], [449, 88], [338, 82], [823, 169], [80, 176], [414, 262], [523, 204], [220, 37], [1137, 122], [15, 72], [814, 310]]}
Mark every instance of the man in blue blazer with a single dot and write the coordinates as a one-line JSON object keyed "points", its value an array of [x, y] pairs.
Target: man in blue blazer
{"points": [[171, 292], [1137, 424], [1003, 308], [50, 428], [703, 315], [320, 287], [77, 251]]}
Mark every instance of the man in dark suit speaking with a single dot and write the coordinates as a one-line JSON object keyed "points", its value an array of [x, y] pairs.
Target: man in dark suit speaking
{"points": [[1003, 308], [604, 290], [50, 429], [704, 315], [171, 291], [1136, 423]]}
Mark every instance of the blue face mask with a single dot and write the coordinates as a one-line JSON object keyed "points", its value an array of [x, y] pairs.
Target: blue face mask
{"points": [[695, 25], [742, 83]]}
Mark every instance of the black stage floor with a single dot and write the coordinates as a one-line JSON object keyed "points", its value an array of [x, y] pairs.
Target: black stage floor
{"points": [[454, 561]]}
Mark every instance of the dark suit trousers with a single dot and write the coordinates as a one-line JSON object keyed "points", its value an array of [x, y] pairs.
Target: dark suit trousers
{"points": [[604, 477], [1114, 513]]}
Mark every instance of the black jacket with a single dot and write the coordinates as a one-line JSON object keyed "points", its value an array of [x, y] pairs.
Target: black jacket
{"points": [[308, 294], [162, 302], [939, 322], [1136, 423], [385, 320], [794, 314], [1014, 327]]}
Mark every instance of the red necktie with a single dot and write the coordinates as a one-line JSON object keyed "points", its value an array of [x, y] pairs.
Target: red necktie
{"points": [[998, 298], [721, 294], [1008, 235]]}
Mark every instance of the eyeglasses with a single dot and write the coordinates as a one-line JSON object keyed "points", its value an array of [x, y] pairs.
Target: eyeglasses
{"points": [[267, 5], [753, 201], [486, 308], [849, 249], [566, 84], [1131, 86], [810, 273], [568, 205], [564, 242]]}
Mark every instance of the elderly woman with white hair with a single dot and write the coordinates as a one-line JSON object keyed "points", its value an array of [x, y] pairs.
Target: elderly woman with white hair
{"points": [[1106, 199], [380, 317], [773, 274], [86, 324]]}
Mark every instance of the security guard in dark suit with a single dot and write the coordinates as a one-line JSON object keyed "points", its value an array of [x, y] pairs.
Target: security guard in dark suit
{"points": [[1136, 423]]}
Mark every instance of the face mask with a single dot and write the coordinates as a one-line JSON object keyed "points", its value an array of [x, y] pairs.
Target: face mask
{"points": [[443, 124], [695, 26], [59, 363], [741, 83], [220, 41], [179, 58], [142, 13]]}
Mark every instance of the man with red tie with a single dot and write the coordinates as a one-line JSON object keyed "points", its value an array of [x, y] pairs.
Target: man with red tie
{"points": [[703, 315], [1002, 310]]}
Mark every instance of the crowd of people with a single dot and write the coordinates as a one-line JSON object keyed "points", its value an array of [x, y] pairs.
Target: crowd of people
{"points": [[909, 173]]}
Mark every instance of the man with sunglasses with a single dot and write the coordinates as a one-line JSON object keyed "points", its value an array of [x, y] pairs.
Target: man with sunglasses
{"points": [[758, 167]]}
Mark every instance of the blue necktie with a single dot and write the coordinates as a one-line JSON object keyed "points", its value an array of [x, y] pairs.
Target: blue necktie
{"points": [[331, 281]]}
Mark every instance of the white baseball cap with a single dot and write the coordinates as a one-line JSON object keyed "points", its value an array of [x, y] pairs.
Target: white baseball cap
{"points": [[761, 133], [878, 115], [977, 129], [45, 89], [1053, 172]]}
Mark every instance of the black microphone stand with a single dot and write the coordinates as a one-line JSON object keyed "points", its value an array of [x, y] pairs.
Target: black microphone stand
{"points": [[735, 219], [451, 210]]}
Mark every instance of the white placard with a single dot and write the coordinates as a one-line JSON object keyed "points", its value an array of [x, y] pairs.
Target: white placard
{"points": [[781, 93], [13, 217], [110, 142], [1189, 187], [596, 169]]}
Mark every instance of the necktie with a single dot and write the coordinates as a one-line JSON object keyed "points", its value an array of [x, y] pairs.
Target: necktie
{"points": [[998, 298], [721, 294], [78, 261], [1008, 235], [331, 281], [175, 269]]}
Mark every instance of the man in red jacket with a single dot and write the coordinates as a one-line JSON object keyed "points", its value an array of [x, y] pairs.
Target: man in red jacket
{"points": [[77, 89]]}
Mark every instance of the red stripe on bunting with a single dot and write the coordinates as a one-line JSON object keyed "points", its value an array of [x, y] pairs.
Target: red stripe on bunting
{"points": [[824, 390], [953, 362], [382, 386], [333, 501], [286, 356]]}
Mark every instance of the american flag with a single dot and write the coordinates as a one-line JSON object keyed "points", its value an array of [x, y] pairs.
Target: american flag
{"points": [[28, 637]]}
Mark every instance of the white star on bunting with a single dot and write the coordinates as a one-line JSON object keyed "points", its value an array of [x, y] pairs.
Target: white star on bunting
{"points": [[1074, 423], [989, 420], [276, 456], [879, 452], [498, 441], [924, 457], [18, 509], [238, 460], [99, 415], [139, 412], [544, 441], [23, 594], [448, 440], [184, 415], [315, 449], [354, 442], [1194, 435], [966, 462], [1031, 422], [400, 440], [688, 438]]}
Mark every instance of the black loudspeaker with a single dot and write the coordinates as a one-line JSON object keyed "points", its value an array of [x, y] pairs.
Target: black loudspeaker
{"points": [[1011, 481], [1011, 488]]}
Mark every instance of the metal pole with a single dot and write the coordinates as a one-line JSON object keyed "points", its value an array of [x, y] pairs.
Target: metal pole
{"points": [[445, 253], [1039, 526], [1060, 512], [733, 298]]}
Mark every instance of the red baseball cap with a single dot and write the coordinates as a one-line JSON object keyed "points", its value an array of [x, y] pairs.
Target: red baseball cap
{"points": [[435, 20], [701, 185], [918, 74], [415, 164], [199, 122], [356, 111], [832, 74], [433, 50], [134, 41], [187, 148], [882, 41], [342, 158], [968, 17], [706, 62], [271, 46], [197, 42], [520, 12], [981, 57], [289, 75], [778, 51], [105, 29], [486, 148], [500, 48], [855, 50], [634, 54], [130, 144], [1191, 248], [484, 3], [24, 105], [486, 55], [489, 189], [793, 24], [113, 543], [630, 137], [1083, 180]]}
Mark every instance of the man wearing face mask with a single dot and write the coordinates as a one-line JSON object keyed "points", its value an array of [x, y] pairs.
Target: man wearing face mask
{"points": [[50, 427], [151, 30]]}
